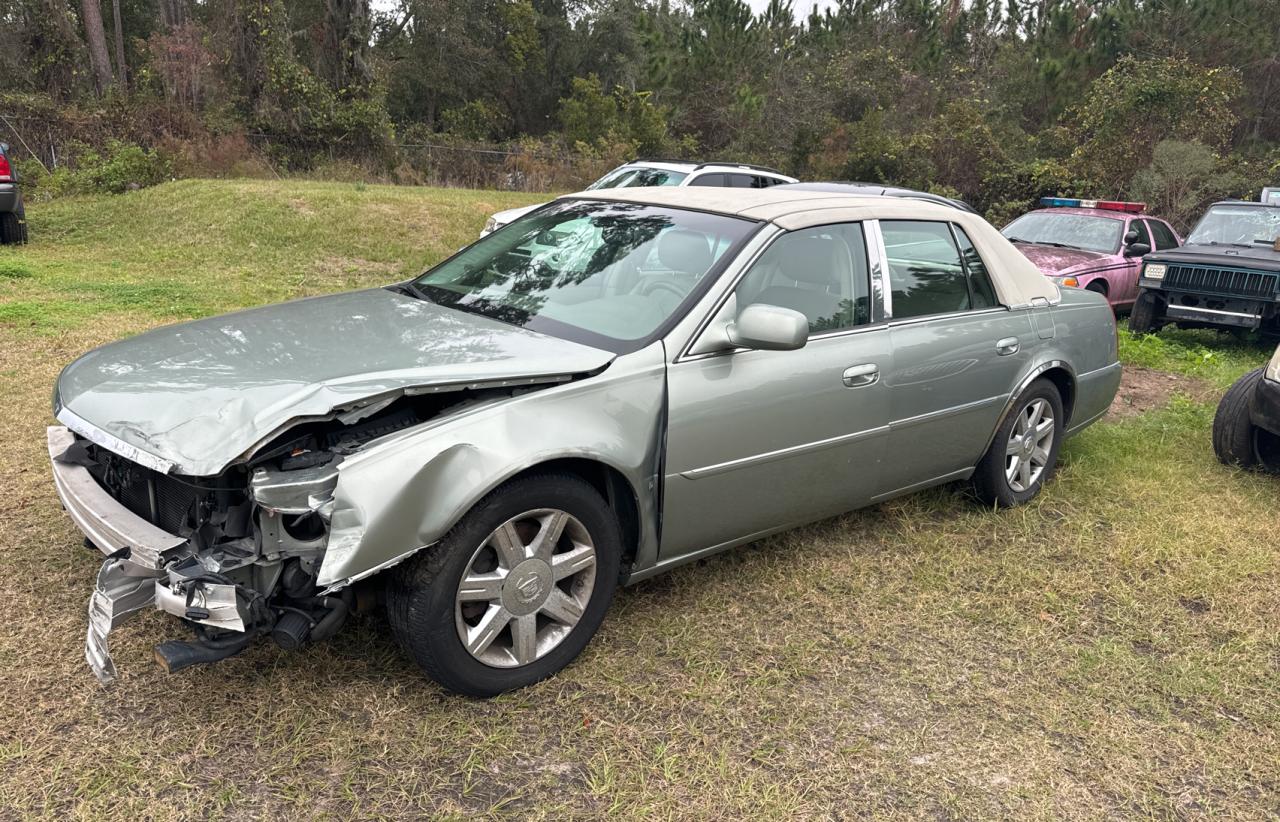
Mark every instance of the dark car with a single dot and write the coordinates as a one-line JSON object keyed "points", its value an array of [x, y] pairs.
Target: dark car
{"points": [[1246, 429], [13, 216], [1226, 275], [878, 190]]}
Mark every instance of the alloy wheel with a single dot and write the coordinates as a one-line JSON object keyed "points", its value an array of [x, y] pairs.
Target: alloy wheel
{"points": [[1029, 446], [525, 588]]}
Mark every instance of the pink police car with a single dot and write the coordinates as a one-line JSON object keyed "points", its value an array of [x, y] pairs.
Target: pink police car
{"points": [[1092, 244]]}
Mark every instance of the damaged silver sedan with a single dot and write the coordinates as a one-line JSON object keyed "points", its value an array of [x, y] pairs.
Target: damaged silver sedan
{"points": [[614, 385]]}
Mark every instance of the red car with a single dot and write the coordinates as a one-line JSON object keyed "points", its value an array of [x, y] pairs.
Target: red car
{"points": [[1092, 244]]}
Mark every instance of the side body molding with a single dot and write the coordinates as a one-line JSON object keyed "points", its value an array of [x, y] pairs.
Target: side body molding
{"points": [[406, 491]]}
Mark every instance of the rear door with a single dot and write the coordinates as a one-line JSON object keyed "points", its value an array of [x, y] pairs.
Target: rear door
{"points": [[957, 352]]}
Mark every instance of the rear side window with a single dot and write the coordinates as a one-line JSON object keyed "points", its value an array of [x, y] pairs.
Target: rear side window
{"points": [[1165, 238], [982, 292], [708, 180], [926, 273]]}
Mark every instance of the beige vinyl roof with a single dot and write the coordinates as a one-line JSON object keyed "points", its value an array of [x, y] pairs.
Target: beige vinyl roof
{"points": [[1017, 280]]}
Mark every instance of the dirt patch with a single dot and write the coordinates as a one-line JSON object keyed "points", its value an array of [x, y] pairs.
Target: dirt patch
{"points": [[1145, 389]]}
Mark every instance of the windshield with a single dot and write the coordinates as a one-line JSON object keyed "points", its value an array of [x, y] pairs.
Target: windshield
{"points": [[610, 275], [1244, 225], [638, 177], [1067, 230]]}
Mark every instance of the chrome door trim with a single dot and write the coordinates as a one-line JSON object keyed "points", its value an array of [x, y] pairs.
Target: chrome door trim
{"points": [[782, 453], [999, 309], [907, 422]]}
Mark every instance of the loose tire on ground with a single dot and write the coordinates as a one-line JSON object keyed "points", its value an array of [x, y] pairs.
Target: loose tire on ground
{"points": [[991, 480], [428, 607], [1235, 436], [1142, 319]]}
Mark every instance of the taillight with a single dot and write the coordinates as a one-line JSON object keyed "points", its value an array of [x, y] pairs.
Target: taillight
{"points": [[6, 171]]}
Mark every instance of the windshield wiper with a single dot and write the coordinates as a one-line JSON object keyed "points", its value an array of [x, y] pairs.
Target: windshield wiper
{"points": [[1261, 241], [410, 290], [1232, 245]]}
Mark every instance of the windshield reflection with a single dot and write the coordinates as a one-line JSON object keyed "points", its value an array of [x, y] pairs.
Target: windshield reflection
{"points": [[607, 274]]}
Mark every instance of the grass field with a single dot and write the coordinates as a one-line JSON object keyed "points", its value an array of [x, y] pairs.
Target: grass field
{"points": [[1108, 651]]}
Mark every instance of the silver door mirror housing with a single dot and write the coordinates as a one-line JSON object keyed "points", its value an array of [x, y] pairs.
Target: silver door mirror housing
{"points": [[769, 328]]}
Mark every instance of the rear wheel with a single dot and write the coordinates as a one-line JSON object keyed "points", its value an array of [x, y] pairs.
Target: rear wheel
{"points": [[514, 592], [1024, 453], [12, 229], [1236, 439]]}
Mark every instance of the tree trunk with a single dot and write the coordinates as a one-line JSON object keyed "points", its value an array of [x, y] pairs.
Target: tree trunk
{"points": [[346, 47], [122, 70], [99, 59]]}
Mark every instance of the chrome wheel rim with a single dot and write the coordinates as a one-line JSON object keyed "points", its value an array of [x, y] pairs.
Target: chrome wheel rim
{"points": [[1030, 442], [525, 588]]}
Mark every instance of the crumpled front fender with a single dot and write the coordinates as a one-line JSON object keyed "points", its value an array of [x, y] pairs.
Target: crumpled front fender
{"points": [[406, 491]]}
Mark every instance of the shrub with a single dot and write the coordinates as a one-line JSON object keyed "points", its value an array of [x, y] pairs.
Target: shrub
{"points": [[1182, 179]]}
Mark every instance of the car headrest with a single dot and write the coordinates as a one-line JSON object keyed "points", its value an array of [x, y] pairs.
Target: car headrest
{"points": [[684, 251], [817, 260]]}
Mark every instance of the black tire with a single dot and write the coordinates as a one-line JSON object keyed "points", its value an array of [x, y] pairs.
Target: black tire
{"points": [[421, 593], [1142, 319], [11, 229], [990, 481], [1235, 437]]}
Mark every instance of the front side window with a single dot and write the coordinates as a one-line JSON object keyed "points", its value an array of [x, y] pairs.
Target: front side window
{"points": [[1140, 226], [1079, 231], [611, 275], [638, 177], [821, 272], [1244, 225], [926, 274]]}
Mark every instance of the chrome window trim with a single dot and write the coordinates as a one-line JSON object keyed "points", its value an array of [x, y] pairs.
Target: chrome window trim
{"points": [[685, 356], [1000, 309], [878, 259]]}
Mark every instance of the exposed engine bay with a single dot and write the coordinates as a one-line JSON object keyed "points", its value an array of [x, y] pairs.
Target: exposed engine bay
{"points": [[247, 544]]}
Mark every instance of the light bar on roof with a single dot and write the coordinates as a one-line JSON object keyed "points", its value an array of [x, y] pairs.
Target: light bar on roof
{"points": [[1107, 205]]}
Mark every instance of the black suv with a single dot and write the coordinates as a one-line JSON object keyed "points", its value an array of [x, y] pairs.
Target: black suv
{"points": [[13, 216], [1226, 274]]}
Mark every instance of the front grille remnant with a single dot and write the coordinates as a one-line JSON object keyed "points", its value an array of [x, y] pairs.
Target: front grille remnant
{"points": [[1224, 281]]}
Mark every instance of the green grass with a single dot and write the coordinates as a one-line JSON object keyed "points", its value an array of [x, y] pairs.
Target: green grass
{"points": [[1108, 651]]}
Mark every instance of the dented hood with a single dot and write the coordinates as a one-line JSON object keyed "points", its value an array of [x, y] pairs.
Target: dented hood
{"points": [[201, 394]]}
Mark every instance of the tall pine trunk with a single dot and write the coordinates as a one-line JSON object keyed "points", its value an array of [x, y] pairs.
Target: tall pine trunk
{"points": [[99, 59], [122, 69]]}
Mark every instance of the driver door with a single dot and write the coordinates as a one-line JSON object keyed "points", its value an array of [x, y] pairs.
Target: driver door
{"points": [[761, 440]]}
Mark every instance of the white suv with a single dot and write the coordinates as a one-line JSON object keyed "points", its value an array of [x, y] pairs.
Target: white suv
{"points": [[640, 173]]}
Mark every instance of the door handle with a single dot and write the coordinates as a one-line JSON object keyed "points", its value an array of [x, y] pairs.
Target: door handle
{"points": [[857, 376], [1007, 346]]}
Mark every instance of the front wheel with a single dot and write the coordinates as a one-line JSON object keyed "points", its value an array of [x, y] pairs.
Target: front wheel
{"points": [[514, 592], [1024, 453], [1142, 318]]}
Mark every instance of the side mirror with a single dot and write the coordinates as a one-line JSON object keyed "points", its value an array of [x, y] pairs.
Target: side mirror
{"points": [[1136, 249], [1131, 236], [769, 328]]}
